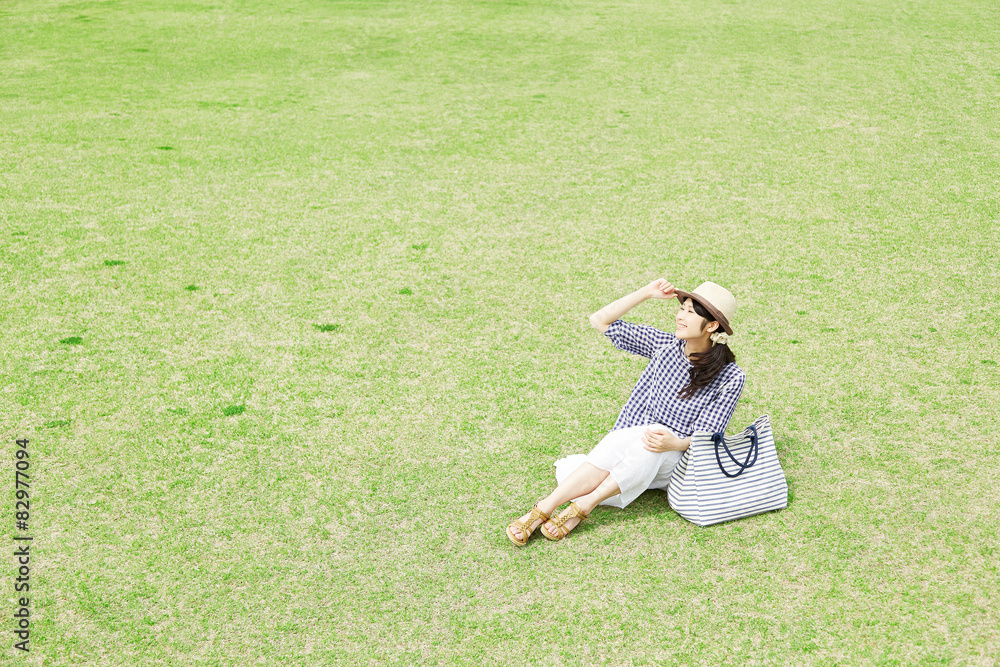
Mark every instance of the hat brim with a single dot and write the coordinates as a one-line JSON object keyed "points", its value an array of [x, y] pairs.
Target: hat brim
{"points": [[681, 295]]}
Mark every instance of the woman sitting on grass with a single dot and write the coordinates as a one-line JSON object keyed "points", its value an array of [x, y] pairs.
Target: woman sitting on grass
{"points": [[692, 384]]}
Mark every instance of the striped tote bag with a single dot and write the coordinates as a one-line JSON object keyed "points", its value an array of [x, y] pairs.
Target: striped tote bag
{"points": [[722, 478]]}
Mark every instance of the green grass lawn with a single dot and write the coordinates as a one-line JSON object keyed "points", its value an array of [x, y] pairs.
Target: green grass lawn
{"points": [[295, 320]]}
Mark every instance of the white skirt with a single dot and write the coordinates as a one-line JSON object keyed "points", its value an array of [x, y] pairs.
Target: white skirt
{"points": [[622, 454]]}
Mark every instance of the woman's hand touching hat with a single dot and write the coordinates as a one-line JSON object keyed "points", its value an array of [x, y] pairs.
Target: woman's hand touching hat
{"points": [[661, 289]]}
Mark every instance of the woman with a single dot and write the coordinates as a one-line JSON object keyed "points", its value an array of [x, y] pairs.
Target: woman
{"points": [[692, 383]]}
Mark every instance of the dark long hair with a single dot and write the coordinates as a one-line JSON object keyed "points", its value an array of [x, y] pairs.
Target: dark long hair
{"points": [[706, 365]]}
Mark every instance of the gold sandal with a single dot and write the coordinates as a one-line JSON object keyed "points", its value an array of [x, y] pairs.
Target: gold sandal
{"points": [[525, 528], [574, 510]]}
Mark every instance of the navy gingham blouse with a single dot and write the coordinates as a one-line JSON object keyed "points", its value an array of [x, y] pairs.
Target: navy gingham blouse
{"points": [[654, 398]]}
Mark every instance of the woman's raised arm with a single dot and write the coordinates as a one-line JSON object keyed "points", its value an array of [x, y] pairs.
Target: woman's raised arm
{"points": [[658, 289]]}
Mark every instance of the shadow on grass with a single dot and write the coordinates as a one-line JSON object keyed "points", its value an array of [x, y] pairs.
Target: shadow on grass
{"points": [[652, 503], [789, 450]]}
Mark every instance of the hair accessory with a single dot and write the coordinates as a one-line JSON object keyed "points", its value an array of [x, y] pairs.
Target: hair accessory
{"points": [[721, 337]]}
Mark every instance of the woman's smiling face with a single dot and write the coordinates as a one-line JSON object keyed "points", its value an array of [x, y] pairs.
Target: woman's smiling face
{"points": [[690, 324]]}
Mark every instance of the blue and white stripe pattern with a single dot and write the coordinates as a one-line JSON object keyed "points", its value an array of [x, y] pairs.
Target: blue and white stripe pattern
{"points": [[701, 493], [654, 397]]}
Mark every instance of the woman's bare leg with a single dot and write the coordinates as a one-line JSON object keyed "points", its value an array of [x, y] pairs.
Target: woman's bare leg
{"points": [[582, 481], [607, 488], [585, 479]]}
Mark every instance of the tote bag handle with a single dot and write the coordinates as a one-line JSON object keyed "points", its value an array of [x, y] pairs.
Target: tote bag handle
{"points": [[720, 439]]}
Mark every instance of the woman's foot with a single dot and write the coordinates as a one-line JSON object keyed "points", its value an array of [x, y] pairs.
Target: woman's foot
{"points": [[517, 533], [570, 523]]}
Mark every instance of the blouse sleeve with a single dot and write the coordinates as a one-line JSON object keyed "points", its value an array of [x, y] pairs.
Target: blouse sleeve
{"points": [[714, 417], [640, 339]]}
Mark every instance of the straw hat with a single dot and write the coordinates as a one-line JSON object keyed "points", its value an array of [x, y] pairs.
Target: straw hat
{"points": [[717, 300]]}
